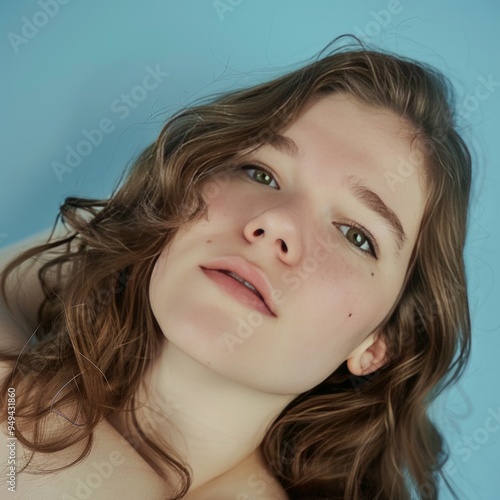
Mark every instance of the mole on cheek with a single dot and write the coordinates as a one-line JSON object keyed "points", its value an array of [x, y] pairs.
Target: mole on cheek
{"points": [[350, 314], [210, 241], [373, 274]]}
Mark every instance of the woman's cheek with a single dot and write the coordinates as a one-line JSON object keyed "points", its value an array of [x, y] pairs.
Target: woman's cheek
{"points": [[347, 294]]}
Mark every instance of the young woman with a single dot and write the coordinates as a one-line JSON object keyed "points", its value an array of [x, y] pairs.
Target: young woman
{"points": [[265, 308]]}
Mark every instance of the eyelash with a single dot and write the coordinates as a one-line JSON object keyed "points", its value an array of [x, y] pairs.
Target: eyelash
{"points": [[352, 225]]}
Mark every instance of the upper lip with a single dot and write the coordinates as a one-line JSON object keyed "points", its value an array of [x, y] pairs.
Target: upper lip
{"points": [[249, 272]]}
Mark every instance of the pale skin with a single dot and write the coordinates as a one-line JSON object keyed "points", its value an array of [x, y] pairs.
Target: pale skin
{"points": [[213, 392]]}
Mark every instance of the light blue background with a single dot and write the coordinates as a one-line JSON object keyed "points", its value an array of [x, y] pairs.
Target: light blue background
{"points": [[67, 74]]}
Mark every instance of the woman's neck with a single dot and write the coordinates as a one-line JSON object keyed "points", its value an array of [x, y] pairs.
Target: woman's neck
{"points": [[213, 423]]}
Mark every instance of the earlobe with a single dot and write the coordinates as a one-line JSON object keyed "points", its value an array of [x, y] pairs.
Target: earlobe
{"points": [[369, 356]]}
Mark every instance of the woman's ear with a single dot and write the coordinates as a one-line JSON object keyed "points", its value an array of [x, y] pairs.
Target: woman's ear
{"points": [[369, 356]]}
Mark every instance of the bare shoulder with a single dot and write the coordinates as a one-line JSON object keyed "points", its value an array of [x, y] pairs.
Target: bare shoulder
{"points": [[23, 288], [113, 469]]}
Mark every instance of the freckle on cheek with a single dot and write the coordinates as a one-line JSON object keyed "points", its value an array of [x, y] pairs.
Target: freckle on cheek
{"points": [[210, 241]]}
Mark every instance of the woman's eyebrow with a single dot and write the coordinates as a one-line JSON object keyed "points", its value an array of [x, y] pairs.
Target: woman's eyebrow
{"points": [[369, 198], [285, 145], [373, 201]]}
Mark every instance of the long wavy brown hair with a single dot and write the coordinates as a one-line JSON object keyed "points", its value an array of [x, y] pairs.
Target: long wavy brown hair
{"points": [[349, 437]]}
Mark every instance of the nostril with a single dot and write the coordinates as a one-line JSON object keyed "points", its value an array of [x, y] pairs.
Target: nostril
{"points": [[283, 246], [258, 232]]}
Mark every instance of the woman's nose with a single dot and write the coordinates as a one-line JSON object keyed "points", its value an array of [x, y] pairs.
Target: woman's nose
{"points": [[276, 228]]}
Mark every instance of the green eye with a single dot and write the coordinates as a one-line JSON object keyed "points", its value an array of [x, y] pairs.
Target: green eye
{"points": [[358, 238], [260, 175]]}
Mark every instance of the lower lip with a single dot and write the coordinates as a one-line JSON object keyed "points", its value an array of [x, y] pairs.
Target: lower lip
{"points": [[238, 291]]}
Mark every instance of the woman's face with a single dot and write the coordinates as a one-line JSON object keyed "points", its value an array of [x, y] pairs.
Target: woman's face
{"points": [[324, 235]]}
